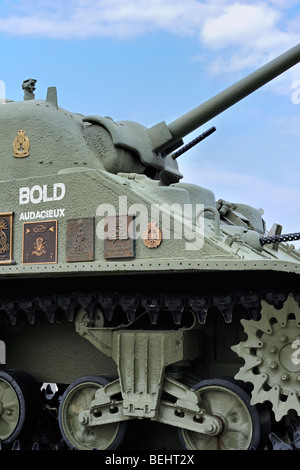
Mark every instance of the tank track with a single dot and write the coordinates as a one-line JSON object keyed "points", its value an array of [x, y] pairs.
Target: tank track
{"points": [[53, 307], [132, 306]]}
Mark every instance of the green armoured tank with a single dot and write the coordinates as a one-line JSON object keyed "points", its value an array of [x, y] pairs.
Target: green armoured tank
{"points": [[136, 311]]}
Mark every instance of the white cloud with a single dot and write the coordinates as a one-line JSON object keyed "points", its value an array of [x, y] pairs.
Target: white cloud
{"points": [[239, 22], [113, 18], [218, 22], [257, 32], [237, 35]]}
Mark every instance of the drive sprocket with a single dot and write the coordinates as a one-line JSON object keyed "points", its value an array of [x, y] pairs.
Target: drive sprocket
{"points": [[272, 357]]}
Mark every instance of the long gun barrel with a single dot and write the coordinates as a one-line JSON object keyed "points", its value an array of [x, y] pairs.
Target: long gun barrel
{"points": [[228, 97], [153, 145]]}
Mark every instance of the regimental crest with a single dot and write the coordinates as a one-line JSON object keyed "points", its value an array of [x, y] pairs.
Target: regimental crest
{"points": [[40, 242], [4, 245], [39, 247], [21, 145], [152, 237], [6, 238]]}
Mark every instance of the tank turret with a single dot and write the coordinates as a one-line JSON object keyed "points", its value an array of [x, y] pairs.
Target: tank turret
{"points": [[154, 144], [123, 146]]}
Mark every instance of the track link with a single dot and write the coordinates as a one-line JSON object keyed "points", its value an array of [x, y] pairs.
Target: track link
{"points": [[54, 307]]}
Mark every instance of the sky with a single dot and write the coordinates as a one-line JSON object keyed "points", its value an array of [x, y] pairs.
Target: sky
{"points": [[153, 60]]}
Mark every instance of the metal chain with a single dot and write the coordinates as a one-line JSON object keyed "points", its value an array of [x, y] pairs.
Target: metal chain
{"points": [[280, 238]]}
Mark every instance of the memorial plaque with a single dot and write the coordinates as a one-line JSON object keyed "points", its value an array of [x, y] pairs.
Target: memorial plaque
{"points": [[6, 219], [40, 242], [120, 237], [80, 239], [153, 236]]}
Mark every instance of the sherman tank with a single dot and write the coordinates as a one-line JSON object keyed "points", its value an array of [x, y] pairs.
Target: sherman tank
{"points": [[136, 310]]}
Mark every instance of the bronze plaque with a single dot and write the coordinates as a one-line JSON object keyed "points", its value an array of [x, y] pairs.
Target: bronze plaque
{"points": [[152, 237], [80, 239], [120, 237], [40, 242], [6, 219]]}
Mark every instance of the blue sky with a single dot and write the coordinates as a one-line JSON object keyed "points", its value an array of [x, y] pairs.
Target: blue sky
{"points": [[153, 60]]}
